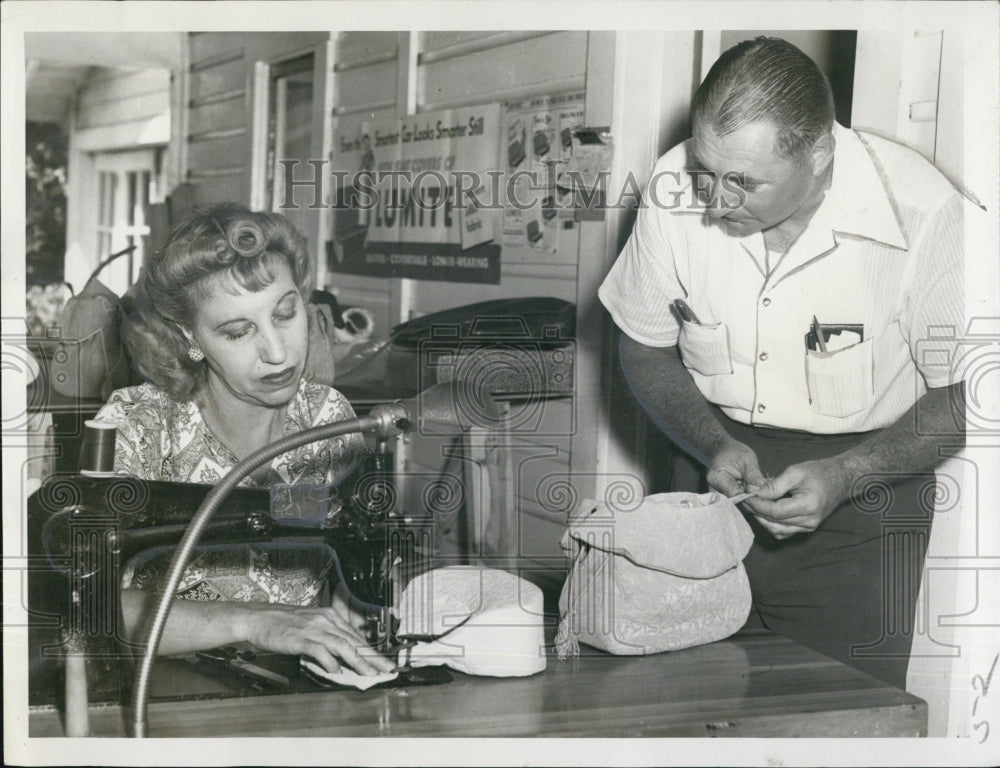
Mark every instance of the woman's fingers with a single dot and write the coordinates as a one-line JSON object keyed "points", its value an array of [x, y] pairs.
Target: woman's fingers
{"points": [[342, 623], [323, 635], [319, 653], [357, 655], [342, 605], [351, 646]]}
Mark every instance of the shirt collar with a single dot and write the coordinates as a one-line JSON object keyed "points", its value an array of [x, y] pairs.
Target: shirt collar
{"points": [[858, 201]]}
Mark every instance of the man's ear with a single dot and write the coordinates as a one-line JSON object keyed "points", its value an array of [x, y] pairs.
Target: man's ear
{"points": [[822, 154]]}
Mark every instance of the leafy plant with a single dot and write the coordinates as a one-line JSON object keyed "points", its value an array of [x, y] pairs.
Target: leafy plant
{"points": [[46, 150]]}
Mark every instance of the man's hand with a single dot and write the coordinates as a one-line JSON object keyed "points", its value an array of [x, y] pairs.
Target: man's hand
{"points": [[735, 470], [801, 497]]}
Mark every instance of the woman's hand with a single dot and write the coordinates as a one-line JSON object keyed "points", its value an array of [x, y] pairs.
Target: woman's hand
{"points": [[323, 634]]}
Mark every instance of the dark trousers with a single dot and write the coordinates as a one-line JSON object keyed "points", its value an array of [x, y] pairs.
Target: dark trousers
{"points": [[849, 588]]}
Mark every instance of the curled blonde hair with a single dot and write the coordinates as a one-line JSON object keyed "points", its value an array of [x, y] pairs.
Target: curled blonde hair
{"points": [[226, 239]]}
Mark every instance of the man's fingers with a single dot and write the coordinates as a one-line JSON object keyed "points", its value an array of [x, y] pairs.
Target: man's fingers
{"points": [[724, 483], [780, 530], [753, 477], [779, 486], [786, 517], [791, 510], [760, 507]]}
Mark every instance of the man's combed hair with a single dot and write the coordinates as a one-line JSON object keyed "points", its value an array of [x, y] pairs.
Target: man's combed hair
{"points": [[767, 80], [226, 240]]}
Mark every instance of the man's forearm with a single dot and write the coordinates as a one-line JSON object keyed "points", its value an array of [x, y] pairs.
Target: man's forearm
{"points": [[913, 442], [800, 498], [666, 391]]}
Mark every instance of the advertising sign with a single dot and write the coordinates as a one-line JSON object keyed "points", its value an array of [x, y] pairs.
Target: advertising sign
{"points": [[417, 196]]}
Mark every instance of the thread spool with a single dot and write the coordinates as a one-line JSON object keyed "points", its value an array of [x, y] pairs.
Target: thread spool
{"points": [[97, 452]]}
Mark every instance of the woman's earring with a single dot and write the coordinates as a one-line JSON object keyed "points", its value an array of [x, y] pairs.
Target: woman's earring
{"points": [[196, 354]]}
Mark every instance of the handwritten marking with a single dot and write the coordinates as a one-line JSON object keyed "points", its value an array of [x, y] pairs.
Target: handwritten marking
{"points": [[989, 677], [984, 684]]}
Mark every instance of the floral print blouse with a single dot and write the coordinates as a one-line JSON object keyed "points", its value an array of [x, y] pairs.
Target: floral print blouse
{"points": [[162, 439]]}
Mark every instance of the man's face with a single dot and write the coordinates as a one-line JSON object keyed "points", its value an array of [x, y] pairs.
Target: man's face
{"points": [[774, 188]]}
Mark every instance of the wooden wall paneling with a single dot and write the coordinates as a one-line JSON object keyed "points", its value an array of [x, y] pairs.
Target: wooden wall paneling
{"points": [[115, 96], [436, 41], [206, 46], [227, 151], [227, 116], [217, 129], [227, 77], [356, 48], [363, 86], [364, 76], [539, 63]]}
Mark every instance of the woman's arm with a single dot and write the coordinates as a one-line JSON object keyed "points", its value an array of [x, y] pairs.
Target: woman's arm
{"points": [[323, 634]]}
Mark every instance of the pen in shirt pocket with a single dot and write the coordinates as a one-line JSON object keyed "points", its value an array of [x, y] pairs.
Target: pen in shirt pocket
{"points": [[685, 312], [818, 330]]}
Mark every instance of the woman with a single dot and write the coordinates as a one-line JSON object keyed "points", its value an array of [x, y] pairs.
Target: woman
{"points": [[221, 335]]}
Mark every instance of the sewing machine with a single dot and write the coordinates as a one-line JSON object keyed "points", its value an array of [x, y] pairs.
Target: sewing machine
{"points": [[82, 531]]}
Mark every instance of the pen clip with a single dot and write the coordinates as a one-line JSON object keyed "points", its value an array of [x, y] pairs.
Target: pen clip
{"points": [[685, 312]]}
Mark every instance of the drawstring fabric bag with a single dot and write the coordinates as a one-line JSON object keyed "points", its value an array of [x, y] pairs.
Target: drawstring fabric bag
{"points": [[90, 361], [665, 575]]}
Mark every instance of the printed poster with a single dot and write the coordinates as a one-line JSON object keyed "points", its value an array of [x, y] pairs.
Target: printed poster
{"points": [[419, 197], [540, 140]]}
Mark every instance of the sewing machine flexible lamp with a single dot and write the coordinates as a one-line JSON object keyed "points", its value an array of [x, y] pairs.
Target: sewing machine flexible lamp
{"points": [[385, 421]]}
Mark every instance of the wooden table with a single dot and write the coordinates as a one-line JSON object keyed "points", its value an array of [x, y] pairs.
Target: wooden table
{"points": [[754, 684]]}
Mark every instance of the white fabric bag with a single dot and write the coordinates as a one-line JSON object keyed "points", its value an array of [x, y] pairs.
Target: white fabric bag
{"points": [[666, 575]]}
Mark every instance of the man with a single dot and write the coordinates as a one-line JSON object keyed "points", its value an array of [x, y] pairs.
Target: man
{"points": [[820, 272]]}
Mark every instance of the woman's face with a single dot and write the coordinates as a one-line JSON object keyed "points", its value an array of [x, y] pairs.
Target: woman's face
{"points": [[255, 343]]}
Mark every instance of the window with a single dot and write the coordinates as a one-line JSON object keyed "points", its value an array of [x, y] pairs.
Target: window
{"points": [[127, 182], [290, 135]]}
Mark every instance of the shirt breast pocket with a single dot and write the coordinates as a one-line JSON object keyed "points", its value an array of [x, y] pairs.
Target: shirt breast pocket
{"points": [[705, 348], [841, 383]]}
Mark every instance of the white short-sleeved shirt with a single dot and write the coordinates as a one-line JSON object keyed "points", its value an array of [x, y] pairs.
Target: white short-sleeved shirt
{"points": [[882, 257]]}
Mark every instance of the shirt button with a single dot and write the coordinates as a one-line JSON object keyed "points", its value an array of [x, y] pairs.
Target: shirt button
{"points": [[761, 408], [766, 302], [763, 355]]}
